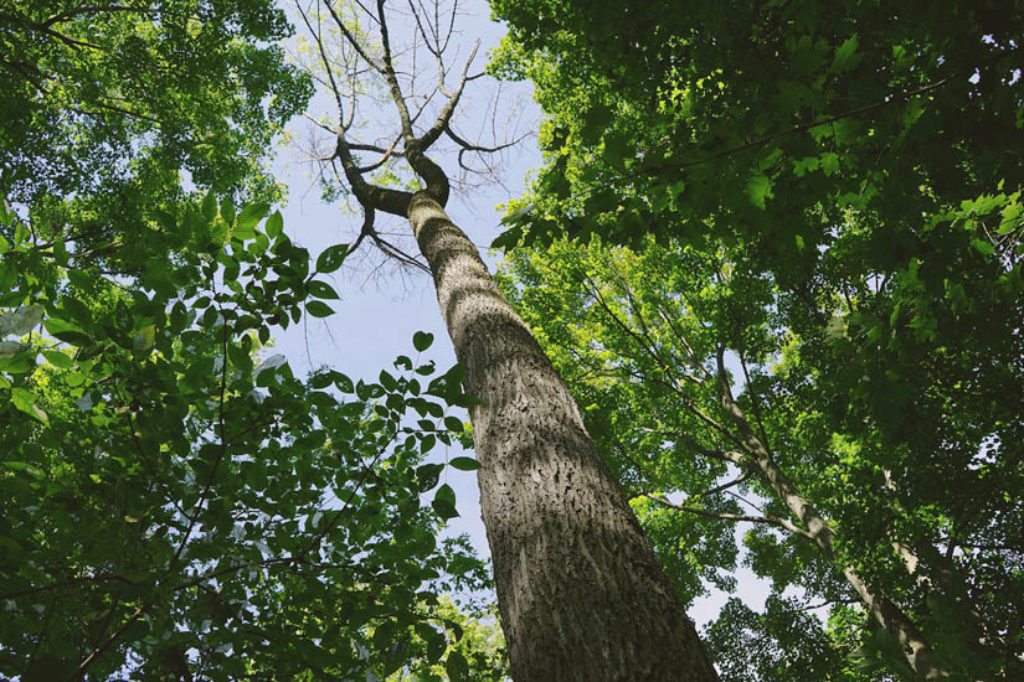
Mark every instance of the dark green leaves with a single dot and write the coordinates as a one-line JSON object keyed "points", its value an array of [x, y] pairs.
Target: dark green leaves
{"points": [[428, 476], [318, 309], [457, 667], [444, 502], [332, 258], [422, 340], [163, 420], [67, 332], [321, 289], [465, 463]]}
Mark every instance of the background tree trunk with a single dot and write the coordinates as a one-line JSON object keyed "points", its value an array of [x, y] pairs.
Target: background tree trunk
{"points": [[581, 594]]}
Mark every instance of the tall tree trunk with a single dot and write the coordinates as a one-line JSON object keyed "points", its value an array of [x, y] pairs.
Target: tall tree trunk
{"points": [[581, 594]]}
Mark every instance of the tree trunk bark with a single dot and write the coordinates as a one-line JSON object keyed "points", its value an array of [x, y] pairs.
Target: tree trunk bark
{"points": [[580, 591]]}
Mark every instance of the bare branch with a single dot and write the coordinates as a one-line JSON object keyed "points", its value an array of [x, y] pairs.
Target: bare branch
{"points": [[323, 58], [470, 147], [320, 125], [728, 516], [444, 117], [389, 75], [356, 45], [725, 486]]}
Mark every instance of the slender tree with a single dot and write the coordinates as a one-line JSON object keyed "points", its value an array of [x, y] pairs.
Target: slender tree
{"points": [[580, 592]]}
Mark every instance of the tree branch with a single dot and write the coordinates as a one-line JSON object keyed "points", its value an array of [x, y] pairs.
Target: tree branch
{"points": [[728, 516]]}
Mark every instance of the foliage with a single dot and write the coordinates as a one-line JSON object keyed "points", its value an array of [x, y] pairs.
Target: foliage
{"points": [[172, 492], [859, 167], [782, 644], [475, 647], [114, 95], [636, 335], [176, 503]]}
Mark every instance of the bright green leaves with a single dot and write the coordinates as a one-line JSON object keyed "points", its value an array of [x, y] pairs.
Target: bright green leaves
{"points": [[759, 188], [142, 339], [208, 207], [25, 401], [248, 218], [58, 359], [983, 246], [860, 177], [274, 225], [227, 209]]}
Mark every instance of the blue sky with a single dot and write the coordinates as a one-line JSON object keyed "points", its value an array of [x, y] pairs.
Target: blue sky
{"points": [[383, 305]]}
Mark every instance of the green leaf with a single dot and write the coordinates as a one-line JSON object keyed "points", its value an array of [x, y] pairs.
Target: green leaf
{"points": [[983, 247], [428, 475], [143, 338], [595, 122], [321, 289], [332, 258], [209, 206], [26, 402], [319, 309], [465, 463], [456, 666], [58, 359], [67, 332], [444, 502], [387, 381], [846, 55], [274, 225], [508, 239], [247, 219], [422, 340], [437, 644], [830, 163], [759, 188], [227, 210]]}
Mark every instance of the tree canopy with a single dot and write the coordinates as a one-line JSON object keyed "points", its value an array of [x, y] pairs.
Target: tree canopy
{"points": [[775, 251], [176, 502], [839, 189]]}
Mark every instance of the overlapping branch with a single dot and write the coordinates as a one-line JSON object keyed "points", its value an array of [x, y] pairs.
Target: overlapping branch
{"points": [[347, 34]]}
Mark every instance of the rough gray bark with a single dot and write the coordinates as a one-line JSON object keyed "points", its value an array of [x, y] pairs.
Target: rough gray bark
{"points": [[580, 591]]}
